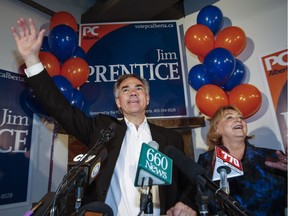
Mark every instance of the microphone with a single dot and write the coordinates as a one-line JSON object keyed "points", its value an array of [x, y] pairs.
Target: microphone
{"points": [[226, 166], [154, 168], [196, 173], [184, 163], [96, 153], [87, 172], [82, 171], [91, 166], [153, 164]]}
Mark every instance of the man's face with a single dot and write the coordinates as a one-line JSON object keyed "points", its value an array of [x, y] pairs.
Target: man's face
{"points": [[132, 98]]}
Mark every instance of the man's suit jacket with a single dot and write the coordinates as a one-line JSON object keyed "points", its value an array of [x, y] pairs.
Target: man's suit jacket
{"points": [[87, 130]]}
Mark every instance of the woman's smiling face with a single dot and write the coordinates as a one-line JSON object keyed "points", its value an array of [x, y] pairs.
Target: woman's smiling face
{"points": [[232, 125]]}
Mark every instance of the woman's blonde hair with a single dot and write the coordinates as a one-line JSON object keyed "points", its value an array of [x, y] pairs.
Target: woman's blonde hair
{"points": [[213, 138]]}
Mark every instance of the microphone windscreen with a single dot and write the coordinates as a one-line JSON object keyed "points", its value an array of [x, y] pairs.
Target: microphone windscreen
{"points": [[96, 207], [187, 165], [154, 144]]}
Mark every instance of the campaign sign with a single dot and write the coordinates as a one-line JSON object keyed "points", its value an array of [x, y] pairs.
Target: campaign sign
{"points": [[149, 49], [276, 71], [15, 139]]}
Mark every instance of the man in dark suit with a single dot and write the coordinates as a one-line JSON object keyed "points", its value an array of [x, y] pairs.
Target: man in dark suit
{"points": [[114, 184]]}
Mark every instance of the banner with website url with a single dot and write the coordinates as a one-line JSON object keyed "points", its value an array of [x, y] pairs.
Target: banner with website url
{"points": [[149, 49], [15, 139], [276, 70]]}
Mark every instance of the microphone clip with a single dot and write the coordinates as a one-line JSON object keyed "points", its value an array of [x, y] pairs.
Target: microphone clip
{"points": [[146, 203], [107, 134]]}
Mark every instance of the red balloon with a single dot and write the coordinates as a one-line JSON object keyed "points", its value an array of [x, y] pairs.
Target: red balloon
{"points": [[201, 59], [209, 98], [65, 18], [247, 98], [50, 62], [231, 38], [199, 40], [76, 70], [21, 69]]}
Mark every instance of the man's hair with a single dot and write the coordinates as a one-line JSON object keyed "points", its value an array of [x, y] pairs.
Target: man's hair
{"points": [[126, 76]]}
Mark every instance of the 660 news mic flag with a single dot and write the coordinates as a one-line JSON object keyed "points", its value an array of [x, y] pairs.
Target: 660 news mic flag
{"points": [[153, 164]]}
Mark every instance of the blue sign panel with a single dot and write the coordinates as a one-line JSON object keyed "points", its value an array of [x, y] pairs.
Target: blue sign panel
{"points": [[149, 49]]}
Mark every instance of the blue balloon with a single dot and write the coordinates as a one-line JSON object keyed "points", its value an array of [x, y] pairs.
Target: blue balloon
{"points": [[77, 99], [197, 77], [237, 77], [64, 86], [212, 17], [219, 64], [34, 104], [62, 41], [78, 52], [45, 45]]}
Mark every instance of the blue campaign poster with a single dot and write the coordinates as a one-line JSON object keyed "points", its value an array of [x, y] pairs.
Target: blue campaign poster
{"points": [[15, 138], [149, 49]]}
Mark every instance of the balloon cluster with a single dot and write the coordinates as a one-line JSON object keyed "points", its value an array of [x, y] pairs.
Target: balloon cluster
{"points": [[218, 78], [64, 59]]}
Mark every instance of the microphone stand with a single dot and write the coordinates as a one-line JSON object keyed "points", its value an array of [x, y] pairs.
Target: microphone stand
{"points": [[231, 206], [79, 196], [202, 199], [76, 174], [148, 211]]}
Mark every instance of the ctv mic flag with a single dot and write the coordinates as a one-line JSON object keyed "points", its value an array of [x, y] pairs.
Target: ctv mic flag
{"points": [[91, 165], [275, 67], [15, 139], [225, 159], [149, 49]]}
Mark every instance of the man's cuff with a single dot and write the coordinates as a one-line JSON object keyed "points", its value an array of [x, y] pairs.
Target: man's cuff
{"points": [[34, 70]]}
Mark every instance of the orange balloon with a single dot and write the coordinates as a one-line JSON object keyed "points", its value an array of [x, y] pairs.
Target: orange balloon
{"points": [[63, 18], [76, 70], [199, 40], [50, 63], [231, 38], [247, 98], [209, 98]]}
